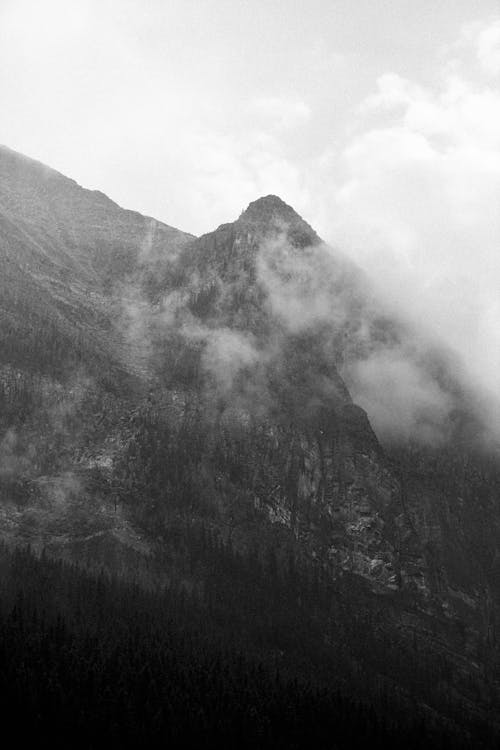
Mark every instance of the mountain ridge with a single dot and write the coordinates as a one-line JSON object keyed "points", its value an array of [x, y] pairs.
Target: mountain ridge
{"points": [[160, 380]]}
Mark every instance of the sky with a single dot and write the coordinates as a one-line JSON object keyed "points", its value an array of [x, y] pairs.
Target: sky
{"points": [[379, 122]]}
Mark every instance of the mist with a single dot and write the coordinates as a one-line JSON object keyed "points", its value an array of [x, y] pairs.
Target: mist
{"points": [[417, 203], [392, 371]]}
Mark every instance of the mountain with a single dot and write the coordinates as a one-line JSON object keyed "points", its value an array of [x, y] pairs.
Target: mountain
{"points": [[61, 248], [248, 387]]}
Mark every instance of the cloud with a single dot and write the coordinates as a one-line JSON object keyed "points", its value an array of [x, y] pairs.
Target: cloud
{"points": [[400, 397], [226, 171], [481, 41], [227, 352], [304, 288], [224, 352], [280, 112], [417, 205], [315, 292], [392, 91], [488, 49]]}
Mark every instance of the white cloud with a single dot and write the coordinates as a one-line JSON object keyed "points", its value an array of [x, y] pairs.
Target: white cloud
{"points": [[400, 397], [226, 354], [418, 204], [280, 112], [488, 48], [392, 91]]}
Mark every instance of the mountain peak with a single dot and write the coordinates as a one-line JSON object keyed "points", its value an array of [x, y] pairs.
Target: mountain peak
{"points": [[269, 205], [270, 211]]}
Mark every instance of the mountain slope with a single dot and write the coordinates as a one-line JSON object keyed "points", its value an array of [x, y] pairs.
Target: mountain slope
{"points": [[62, 250], [257, 322], [72, 264], [254, 327], [153, 383]]}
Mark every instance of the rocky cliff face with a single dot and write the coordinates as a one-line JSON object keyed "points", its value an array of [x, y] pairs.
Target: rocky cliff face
{"points": [[271, 316]]}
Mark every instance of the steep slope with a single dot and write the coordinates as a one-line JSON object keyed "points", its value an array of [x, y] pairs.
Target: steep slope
{"points": [[63, 251], [80, 231], [72, 267], [258, 320]]}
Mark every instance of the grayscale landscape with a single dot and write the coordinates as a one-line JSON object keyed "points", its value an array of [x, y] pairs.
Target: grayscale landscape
{"points": [[250, 475]]}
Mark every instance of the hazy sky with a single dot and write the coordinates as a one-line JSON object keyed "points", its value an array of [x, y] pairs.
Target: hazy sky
{"points": [[378, 120]]}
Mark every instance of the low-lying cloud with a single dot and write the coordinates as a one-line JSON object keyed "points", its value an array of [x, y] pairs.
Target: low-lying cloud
{"points": [[303, 288], [401, 398], [387, 367]]}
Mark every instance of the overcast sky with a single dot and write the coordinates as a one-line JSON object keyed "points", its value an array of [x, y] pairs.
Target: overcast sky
{"points": [[379, 121]]}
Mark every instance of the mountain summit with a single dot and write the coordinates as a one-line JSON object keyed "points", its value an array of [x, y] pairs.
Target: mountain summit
{"points": [[269, 207], [271, 212]]}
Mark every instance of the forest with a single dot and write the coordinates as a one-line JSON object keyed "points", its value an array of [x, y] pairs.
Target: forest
{"points": [[88, 660]]}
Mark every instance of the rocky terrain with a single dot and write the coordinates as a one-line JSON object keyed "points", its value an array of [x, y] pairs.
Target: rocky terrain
{"points": [[151, 382]]}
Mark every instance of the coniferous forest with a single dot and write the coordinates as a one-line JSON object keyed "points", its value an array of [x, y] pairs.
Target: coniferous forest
{"points": [[88, 661]]}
